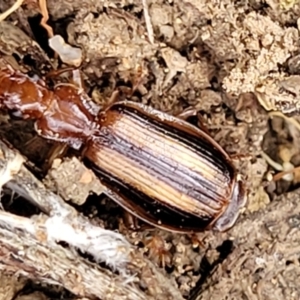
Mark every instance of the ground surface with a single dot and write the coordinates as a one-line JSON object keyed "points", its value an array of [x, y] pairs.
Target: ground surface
{"points": [[235, 61]]}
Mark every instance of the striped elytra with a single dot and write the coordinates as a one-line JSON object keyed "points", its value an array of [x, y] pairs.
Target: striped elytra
{"points": [[164, 170]]}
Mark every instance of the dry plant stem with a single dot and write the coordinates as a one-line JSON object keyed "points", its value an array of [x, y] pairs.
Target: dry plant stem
{"points": [[279, 175], [286, 118], [16, 5], [148, 22], [264, 257], [63, 223], [44, 11], [22, 254]]}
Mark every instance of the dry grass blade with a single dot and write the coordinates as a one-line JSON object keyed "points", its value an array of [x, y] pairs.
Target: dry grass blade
{"points": [[13, 8]]}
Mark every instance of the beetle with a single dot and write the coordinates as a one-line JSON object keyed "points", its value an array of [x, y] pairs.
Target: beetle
{"points": [[164, 170], [158, 167]]}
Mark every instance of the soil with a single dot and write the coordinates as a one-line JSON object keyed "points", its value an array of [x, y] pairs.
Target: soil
{"points": [[236, 62]]}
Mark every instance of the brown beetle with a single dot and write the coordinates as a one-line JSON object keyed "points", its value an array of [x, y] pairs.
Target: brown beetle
{"points": [[164, 170], [159, 168]]}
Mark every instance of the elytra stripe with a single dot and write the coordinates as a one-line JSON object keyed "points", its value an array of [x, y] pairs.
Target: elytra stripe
{"points": [[180, 177], [149, 208], [201, 145], [167, 148], [153, 176], [152, 208], [139, 177]]}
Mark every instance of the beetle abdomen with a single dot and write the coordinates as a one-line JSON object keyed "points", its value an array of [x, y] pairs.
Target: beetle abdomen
{"points": [[161, 169]]}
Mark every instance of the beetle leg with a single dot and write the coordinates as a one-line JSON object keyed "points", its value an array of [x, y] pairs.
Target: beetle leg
{"points": [[187, 113], [113, 98], [76, 79], [240, 156], [237, 202], [155, 244], [130, 221], [133, 223], [197, 240], [201, 124], [56, 73], [158, 250], [192, 112]]}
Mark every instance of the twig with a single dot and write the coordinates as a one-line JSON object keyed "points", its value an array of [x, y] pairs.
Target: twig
{"points": [[13, 8], [44, 11], [148, 22], [286, 118], [65, 223], [281, 174], [43, 259], [21, 253]]}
